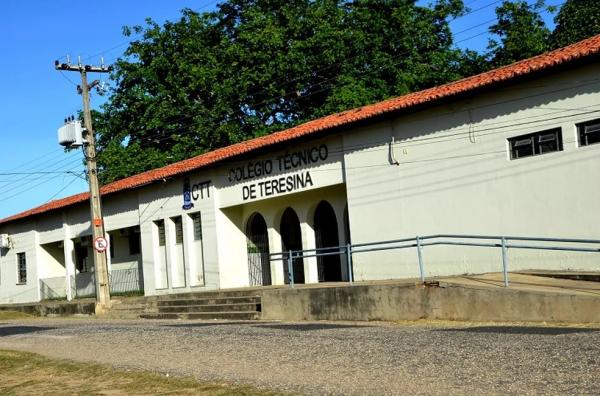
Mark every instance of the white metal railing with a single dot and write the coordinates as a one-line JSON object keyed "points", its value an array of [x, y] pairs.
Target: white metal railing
{"points": [[420, 242]]}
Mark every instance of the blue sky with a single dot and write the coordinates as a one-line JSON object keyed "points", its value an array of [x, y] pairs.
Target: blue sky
{"points": [[34, 98]]}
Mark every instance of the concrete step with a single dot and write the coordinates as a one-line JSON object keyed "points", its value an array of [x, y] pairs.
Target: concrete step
{"points": [[252, 307], [237, 304], [128, 307], [208, 301], [210, 294], [204, 315]]}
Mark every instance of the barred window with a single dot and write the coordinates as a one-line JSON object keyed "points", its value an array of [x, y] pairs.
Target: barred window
{"points": [[21, 268], [197, 221], [537, 143], [589, 132], [178, 230], [160, 225]]}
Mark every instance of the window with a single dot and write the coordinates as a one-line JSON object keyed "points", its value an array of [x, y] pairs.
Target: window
{"points": [[197, 220], [589, 132], [111, 246], [160, 225], [536, 143], [134, 241], [81, 256], [21, 268], [178, 230]]}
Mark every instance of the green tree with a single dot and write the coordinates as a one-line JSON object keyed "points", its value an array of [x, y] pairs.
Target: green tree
{"points": [[520, 30], [255, 66], [576, 20]]}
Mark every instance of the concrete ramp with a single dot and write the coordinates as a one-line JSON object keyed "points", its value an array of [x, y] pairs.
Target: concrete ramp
{"points": [[477, 298]]}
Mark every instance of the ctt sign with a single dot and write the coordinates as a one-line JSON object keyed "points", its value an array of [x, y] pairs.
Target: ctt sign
{"points": [[194, 192]]}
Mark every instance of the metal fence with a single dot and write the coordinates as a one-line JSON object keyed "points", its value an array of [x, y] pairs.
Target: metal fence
{"points": [[504, 243], [84, 284], [126, 280]]}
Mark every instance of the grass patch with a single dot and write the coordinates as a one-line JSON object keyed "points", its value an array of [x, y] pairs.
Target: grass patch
{"points": [[23, 373], [6, 315]]}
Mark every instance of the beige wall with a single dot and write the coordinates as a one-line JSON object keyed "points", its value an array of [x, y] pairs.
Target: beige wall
{"points": [[176, 268], [24, 240], [455, 176]]}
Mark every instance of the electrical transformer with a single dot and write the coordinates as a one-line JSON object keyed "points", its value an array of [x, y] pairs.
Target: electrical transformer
{"points": [[71, 134]]}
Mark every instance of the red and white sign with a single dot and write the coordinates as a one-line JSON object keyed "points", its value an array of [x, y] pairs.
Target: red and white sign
{"points": [[100, 244]]}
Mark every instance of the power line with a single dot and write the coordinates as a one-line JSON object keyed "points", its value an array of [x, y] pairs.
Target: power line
{"points": [[29, 188], [64, 188], [65, 171], [133, 36], [184, 117], [35, 175], [455, 135]]}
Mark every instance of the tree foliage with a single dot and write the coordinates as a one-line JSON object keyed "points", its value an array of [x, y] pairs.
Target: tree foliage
{"points": [[255, 66], [520, 30], [252, 67], [576, 20]]}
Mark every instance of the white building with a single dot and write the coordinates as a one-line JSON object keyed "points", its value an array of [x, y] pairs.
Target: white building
{"points": [[509, 152]]}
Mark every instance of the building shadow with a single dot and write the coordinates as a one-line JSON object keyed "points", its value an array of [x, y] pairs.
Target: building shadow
{"points": [[6, 331]]}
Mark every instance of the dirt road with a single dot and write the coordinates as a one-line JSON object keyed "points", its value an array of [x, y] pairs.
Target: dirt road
{"points": [[331, 358]]}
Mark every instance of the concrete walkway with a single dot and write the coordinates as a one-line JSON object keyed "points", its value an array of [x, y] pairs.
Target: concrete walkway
{"points": [[527, 282]]}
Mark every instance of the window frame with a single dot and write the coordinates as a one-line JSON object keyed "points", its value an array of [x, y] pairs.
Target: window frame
{"points": [[196, 225], [21, 272], [536, 143], [581, 132], [178, 227], [161, 232]]}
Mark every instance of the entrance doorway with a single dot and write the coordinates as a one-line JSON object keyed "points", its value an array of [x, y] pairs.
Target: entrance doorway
{"points": [[326, 235], [259, 267], [291, 239]]}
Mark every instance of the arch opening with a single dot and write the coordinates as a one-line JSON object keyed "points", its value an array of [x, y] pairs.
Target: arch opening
{"points": [[259, 266], [326, 235], [291, 239]]}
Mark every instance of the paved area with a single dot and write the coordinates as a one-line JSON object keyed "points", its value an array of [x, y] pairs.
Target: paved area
{"points": [[332, 358], [528, 282]]}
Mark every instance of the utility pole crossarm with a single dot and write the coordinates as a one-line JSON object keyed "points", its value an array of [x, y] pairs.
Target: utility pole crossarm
{"points": [[79, 68]]}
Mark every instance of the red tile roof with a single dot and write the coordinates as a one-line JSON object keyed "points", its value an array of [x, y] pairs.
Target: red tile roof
{"points": [[575, 52]]}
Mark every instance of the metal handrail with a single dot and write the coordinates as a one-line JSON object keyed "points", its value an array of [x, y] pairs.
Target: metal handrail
{"points": [[419, 243]]}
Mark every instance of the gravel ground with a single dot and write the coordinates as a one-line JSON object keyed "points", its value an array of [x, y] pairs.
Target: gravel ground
{"points": [[332, 358]]}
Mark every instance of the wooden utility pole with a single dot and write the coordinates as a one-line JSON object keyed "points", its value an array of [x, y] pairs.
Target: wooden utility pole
{"points": [[97, 222]]}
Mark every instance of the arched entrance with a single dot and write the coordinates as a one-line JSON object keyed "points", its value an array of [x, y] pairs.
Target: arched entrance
{"points": [[291, 239], [326, 235], [259, 267]]}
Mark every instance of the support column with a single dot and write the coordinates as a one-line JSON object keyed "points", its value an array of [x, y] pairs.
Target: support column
{"points": [[189, 254], [38, 263], [275, 246], [69, 252], [311, 272], [108, 258], [342, 240], [170, 252]]}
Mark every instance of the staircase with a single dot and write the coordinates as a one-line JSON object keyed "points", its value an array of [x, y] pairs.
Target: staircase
{"points": [[129, 307], [233, 305]]}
